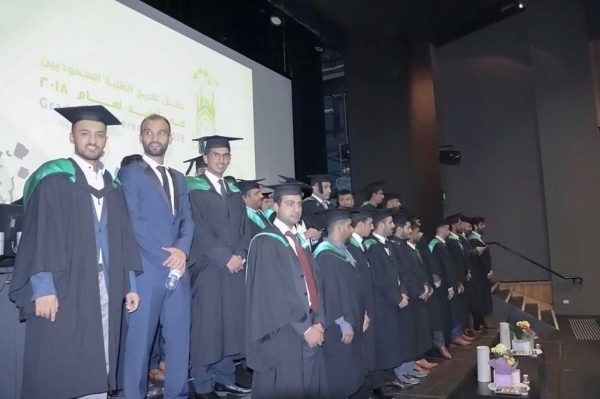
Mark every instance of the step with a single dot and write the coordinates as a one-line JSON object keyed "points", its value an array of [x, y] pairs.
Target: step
{"points": [[532, 309], [547, 317], [517, 301], [502, 294]]}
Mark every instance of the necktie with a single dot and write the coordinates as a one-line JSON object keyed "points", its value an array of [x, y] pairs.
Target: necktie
{"points": [[223, 189], [165, 183], [307, 271]]}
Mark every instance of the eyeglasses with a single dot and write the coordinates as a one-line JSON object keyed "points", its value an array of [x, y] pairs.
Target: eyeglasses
{"points": [[216, 156]]}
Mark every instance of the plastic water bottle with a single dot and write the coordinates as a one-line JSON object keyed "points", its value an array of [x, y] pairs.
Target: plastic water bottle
{"points": [[173, 279]]}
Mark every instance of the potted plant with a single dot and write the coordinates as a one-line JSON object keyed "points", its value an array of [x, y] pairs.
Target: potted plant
{"points": [[523, 337], [503, 364]]}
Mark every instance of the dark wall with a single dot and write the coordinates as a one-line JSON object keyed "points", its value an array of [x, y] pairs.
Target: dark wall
{"points": [[288, 50], [570, 151], [486, 109], [377, 87]]}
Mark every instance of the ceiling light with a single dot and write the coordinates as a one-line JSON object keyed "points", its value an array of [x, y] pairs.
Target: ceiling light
{"points": [[275, 20]]}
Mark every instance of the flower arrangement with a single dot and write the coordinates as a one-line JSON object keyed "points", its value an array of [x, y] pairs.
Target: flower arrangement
{"points": [[503, 364], [524, 331]]}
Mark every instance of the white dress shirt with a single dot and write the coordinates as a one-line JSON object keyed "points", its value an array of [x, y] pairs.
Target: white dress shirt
{"points": [[154, 165], [284, 229], [96, 181], [215, 181], [360, 240]]}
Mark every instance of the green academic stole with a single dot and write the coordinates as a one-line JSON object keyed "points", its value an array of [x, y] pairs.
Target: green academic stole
{"points": [[201, 183], [354, 242], [369, 241], [327, 246], [268, 212], [61, 165], [255, 218], [476, 237], [433, 243]]}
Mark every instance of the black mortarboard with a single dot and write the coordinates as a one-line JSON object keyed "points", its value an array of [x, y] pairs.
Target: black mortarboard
{"points": [[247, 185], [216, 141], [442, 223], [96, 113], [466, 219], [198, 161], [292, 187], [360, 214], [453, 219], [380, 214], [393, 196], [344, 192], [400, 218], [334, 214], [373, 187], [306, 189], [266, 193], [319, 180]]}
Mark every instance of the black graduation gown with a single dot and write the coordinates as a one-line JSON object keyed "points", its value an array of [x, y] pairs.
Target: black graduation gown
{"points": [[415, 278], [484, 263], [450, 279], [364, 270], [475, 285], [461, 263], [437, 305], [392, 346], [218, 296], [65, 359], [344, 297], [256, 222], [310, 207], [273, 348]]}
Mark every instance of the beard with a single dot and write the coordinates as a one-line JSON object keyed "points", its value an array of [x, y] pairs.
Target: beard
{"points": [[155, 152]]}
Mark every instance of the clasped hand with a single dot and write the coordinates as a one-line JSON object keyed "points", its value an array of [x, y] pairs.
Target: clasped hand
{"points": [[315, 336], [235, 264]]}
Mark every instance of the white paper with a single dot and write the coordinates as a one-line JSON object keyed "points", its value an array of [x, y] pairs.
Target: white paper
{"points": [[484, 371], [505, 335]]}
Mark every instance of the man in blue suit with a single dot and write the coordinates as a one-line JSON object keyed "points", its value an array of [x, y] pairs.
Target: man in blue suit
{"points": [[160, 210]]}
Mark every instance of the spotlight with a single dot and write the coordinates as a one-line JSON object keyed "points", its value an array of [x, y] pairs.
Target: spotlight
{"points": [[521, 5], [275, 20]]}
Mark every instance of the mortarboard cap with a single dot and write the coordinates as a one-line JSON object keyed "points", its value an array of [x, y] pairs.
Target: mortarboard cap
{"points": [[453, 219], [334, 214], [247, 185], [306, 189], [292, 187], [344, 192], [442, 223], [266, 194], [96, 113], [319, 180], [466, 219], [393, 196], [360, 214], [400, 218], [380, 214], [373, 187], [198, 161], [216, 141]]}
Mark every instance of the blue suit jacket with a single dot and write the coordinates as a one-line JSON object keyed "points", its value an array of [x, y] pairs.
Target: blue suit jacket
{"points": [[154, 224]]}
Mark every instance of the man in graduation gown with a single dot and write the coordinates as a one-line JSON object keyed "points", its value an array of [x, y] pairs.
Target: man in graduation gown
{"points": [[344, 297], [462, 260], [392, 201], [416, 279], [266, 205], [284, 307], [159, 207], [75, 266], [374, 194], [251, 192], [451, 281], [217, 257], [475, 232], [393, 349], [437, 304], [318, 201]]}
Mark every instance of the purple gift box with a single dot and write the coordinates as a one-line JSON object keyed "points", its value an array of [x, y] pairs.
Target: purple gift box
{"points": [[503, 380]]}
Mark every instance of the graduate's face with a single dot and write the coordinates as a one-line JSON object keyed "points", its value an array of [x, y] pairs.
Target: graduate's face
{"points": [[346, 201], [326, 193], [289, 211], [378, 197], [253, 198], [155, 136], [480, 227], [393, 204], [266, 203], [89, 139], [364, 228], [217, 160], [346, 229], [415, 235], [385, 228], [404, 231]]}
